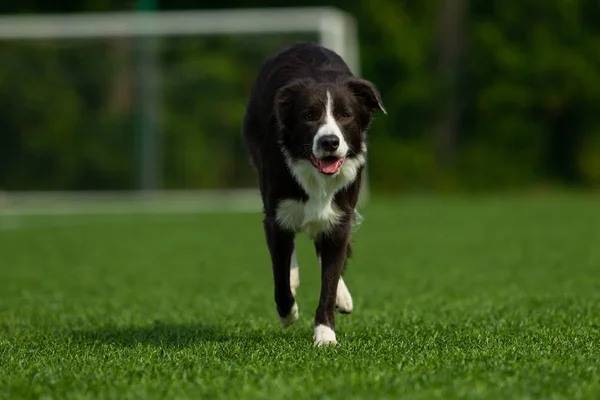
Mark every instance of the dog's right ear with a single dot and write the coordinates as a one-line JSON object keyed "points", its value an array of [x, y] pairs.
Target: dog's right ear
{"points": [[284, 101]]}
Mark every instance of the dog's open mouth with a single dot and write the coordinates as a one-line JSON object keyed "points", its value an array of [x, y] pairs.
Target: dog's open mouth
{"points": [[327, 165]]}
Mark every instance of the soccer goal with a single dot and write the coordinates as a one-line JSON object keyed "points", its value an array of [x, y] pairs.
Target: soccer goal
{"points": [[115, 109]]}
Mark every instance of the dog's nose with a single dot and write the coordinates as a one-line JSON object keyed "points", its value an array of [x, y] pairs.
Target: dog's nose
{"points": [[329, 142]]}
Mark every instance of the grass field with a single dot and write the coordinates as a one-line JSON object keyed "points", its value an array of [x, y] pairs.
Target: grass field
{"points": [[454, 298]]}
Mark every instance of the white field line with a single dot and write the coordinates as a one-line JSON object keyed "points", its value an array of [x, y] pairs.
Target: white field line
{"points": [[19, 211]]}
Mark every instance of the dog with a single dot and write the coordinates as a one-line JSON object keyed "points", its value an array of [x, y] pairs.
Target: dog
{"points": [[305, 129]]}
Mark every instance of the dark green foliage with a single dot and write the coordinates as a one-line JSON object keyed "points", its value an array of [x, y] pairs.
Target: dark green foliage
{"points": [[491, 298], [64, 115], [534, 81], [529, 94]]}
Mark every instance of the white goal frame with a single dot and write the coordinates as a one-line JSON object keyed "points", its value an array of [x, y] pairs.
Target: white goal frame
{"points": [[335, 29]]}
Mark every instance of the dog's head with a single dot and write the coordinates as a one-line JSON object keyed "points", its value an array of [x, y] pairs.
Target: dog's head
{"points": [[326, 123]]}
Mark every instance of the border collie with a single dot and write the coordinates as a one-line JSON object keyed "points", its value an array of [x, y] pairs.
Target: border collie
{"points": [[305, 130]]}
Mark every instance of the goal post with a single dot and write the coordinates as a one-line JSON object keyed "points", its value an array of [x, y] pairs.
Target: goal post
{"points": [[334, 29]]}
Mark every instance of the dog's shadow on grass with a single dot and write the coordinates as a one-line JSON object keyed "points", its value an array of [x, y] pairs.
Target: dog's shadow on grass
{"points": [[156, 334]]}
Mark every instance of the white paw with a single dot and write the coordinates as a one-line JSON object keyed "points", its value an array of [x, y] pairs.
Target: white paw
{"points": [[294, 279], [343, 299], [324, 336], [290, 318]]}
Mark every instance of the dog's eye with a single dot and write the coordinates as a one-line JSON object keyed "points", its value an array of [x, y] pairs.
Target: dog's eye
{"points": [[346, 115], [308, 116]]}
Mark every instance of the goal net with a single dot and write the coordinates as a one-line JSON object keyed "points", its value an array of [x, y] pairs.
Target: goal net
{"points": [[117, 108]]}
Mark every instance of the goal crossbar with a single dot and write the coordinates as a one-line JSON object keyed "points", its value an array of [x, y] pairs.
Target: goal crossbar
{"points": [[336, 28], [165, 23]]}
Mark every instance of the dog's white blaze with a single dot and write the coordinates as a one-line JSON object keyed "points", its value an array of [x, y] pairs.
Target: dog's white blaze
{"points": [[290, 318], [330, 127], [294, 272], [343, 299], [324, 335]]}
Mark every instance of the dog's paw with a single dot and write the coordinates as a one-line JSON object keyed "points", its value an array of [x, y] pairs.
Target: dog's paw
{"points": [[343, 299], [324, 336], [291, 318]]}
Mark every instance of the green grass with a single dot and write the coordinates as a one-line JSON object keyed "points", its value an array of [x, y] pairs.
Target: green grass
{"points": [[454, 298]]}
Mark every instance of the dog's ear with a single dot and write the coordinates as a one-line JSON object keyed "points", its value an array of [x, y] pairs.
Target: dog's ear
{"points": [[366, 93], [284, 101]]}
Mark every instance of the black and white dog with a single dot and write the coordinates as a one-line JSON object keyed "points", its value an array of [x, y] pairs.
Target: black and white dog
{"points": [[305, 129]]}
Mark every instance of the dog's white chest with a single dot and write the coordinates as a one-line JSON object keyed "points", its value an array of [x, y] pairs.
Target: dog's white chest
{"points": [[313, 217]]}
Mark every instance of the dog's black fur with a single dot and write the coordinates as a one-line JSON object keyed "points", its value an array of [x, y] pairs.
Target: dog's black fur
{"points": [[300, 191]]}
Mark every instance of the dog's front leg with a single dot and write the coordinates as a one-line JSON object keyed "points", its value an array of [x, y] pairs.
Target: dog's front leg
{"points": [[281, 247], [332, 249]]}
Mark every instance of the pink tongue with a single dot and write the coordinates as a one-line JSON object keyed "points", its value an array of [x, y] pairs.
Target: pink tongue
{"points": [[330, 167]]}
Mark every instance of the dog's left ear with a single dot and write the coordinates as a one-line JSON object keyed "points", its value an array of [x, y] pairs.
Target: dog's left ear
{"points": [[367, 93]]}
